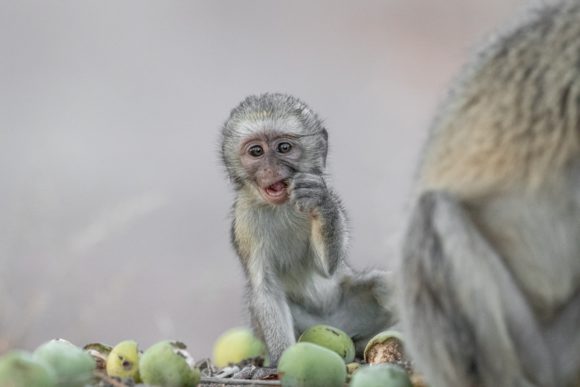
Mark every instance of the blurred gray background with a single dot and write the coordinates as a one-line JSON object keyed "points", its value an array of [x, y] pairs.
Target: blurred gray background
{"points": [[114, 208]]}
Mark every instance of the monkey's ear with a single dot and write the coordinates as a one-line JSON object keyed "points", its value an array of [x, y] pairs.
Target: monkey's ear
{"points": [[454, 283]]}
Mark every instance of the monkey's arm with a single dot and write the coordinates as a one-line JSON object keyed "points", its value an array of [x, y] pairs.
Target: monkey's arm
{"points": [[329, 234], [472, 323], [271, 318]]}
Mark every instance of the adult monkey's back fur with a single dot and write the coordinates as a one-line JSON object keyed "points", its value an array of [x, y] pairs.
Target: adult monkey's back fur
{"points": [[491, 259]]}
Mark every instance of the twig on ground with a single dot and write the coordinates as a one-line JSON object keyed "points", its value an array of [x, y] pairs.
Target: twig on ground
{"points": [[245, 382]]}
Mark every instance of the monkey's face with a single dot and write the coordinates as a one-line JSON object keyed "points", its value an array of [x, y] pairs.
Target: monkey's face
{"points": [[267, 139], [270, 160]]}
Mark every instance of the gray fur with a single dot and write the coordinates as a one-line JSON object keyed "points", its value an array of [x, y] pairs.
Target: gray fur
{"points": [[294, 253], [490, 276]]}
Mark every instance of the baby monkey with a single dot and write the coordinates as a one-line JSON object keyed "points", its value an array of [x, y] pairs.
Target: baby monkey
{"points": [[290, 230]]}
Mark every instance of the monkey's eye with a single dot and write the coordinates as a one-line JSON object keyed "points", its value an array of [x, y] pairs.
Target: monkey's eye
{"points": [[284, 147], [256, 151]]}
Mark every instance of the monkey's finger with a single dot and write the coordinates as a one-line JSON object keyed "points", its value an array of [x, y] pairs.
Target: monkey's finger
{"points": [[308, 180], [306, 190], [308, 183], [307, 205], [306, 194]]}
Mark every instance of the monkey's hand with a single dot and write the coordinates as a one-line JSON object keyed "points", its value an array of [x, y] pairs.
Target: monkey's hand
{"points": [[310, 195], [308, 192]]}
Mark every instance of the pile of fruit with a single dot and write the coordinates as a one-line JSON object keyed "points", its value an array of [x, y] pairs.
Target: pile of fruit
{"points": [[323, 356], [60, 363]]}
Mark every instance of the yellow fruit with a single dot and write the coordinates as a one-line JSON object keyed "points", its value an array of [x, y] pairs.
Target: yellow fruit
{"points": [[310, 365], [331, 338], [123, 361], [236, 345], [168, 364]]}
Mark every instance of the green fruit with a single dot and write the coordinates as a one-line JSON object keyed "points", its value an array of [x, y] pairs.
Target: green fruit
{"points": [[310, 365], [380, 375], [73, 367], [385, 347], [168, 364], [235, 345], [331, 338], [21, 369], [123, 361]]}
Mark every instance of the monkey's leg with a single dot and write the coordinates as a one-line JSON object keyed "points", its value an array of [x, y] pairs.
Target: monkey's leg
{"points": [[466, 320], [271, 319], [366, 307]]}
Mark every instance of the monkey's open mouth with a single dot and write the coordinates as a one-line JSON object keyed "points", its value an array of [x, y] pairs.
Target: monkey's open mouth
{"points": [[276, 193]]}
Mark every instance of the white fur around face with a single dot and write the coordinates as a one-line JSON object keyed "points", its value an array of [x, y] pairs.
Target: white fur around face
{"points": [[265, 123]]}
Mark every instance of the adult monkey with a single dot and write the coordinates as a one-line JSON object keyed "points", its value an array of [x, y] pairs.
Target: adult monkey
{"points": [[490, 274]]}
